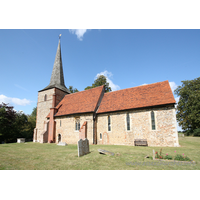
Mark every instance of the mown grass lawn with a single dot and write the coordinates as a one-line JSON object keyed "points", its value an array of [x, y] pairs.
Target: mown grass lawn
{"points": [[36, 156]]}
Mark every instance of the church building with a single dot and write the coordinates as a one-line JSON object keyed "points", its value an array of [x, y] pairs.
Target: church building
{"points": [[116, 118]]}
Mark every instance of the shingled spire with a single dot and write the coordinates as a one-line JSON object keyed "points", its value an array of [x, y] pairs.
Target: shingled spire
{"points": [[57, 78]]}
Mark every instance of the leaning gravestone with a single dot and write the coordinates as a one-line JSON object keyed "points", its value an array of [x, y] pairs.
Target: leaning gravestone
{"points": [[102, 151], [83, 147], [20, 140], [62, 144]]}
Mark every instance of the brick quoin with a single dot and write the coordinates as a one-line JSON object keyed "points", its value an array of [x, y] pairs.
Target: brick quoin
{"points": [[83, 131], [52, 126]]}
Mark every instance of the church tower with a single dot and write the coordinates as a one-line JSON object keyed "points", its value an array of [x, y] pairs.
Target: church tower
{"points": [[48, 99]]}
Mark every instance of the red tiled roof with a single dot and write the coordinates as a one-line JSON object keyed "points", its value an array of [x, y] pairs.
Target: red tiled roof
{"points": [[79, 102], [137, 97]]}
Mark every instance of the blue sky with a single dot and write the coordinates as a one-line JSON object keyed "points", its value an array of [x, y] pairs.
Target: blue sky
{"points": [[128, 57]]}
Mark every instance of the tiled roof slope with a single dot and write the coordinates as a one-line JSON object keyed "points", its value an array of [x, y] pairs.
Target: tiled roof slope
{"points": [[79, 102], [137, 97]]}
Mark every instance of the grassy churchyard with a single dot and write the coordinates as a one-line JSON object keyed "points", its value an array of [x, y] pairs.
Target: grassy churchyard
{"points": [[36, 156]]}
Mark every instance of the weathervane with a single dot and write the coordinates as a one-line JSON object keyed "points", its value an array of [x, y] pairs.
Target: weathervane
{"points": [[60, 36]]}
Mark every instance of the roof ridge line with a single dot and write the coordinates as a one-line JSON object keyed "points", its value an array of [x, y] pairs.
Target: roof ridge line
{"points": [[84, 90], [136, 87]]}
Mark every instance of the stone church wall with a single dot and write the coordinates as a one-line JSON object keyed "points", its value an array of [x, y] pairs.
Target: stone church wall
{"points": [[59, 95], [65, 126], [43, 108], [140, 127]]}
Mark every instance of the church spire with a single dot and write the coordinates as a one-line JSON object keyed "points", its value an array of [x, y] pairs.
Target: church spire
{"points": [[57, 78]]}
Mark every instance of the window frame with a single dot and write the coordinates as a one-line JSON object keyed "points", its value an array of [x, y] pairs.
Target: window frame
{"points": [[109, 123], [77, 124], [128, 122], [153, 120]]}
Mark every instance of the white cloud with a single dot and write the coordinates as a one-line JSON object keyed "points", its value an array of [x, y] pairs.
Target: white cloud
{"points": [[78, 32], [108, 75], [16, 101], [173, 86]]}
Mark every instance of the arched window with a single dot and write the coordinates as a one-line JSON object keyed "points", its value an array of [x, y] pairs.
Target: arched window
{"points": [[100, 136], [109, 123], [45, 97], [128, 121], [153, 124], [77, 124]]}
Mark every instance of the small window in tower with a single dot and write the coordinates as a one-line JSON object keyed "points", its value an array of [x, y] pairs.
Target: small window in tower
{"points": [[45, 97], [153, 124], [100, 136], [109, 123], [77, 123], [60, 122]]}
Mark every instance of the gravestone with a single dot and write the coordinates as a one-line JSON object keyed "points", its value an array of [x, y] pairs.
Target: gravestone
{"points": [[62, 144], [102, 151], [83, 147], [153, 154], [20, 140]]}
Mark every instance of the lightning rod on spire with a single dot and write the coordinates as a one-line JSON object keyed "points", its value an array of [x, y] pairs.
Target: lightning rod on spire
{"points": [[60, 36]]}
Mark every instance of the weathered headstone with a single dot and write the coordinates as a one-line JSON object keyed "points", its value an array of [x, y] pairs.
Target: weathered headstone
{"points": [[102, 151], [20, 140], [62, 144], [83, 147], [153, 154]]}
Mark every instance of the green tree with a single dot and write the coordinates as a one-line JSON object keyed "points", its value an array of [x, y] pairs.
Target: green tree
{"points": [[15, 125], [73, 90], [21, 122], [100, 80], [34, 112], [29, 129], [188, 108], [7, 123]]}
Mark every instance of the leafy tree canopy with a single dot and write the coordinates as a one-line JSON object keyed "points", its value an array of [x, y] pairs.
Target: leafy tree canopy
{"points": [[188, 108], [15, 125], [7, 122], [34, 112], [73, 90], [100, 80]]}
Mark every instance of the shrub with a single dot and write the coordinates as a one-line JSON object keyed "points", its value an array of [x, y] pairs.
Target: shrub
{"points": [[159, 156], [167, 157], [181, 158], [187, 159]]}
